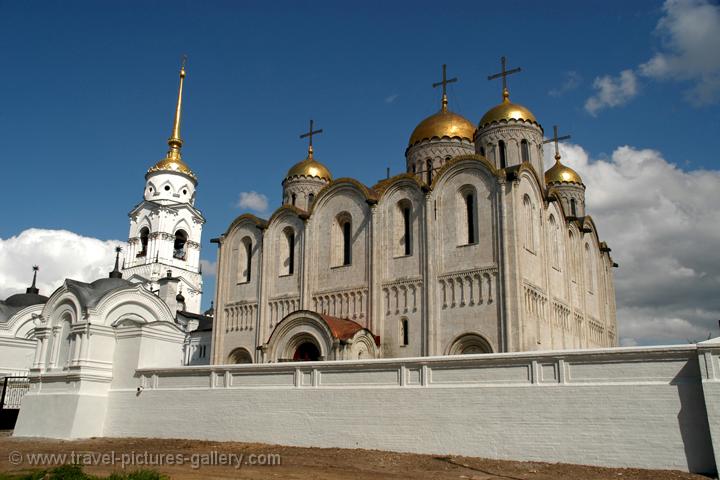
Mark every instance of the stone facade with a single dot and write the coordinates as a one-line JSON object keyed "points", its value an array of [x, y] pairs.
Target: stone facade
{"points": [[474, 254]]}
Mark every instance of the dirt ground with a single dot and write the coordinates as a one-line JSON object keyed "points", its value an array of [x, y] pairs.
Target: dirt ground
{"points": [[294, 463]]}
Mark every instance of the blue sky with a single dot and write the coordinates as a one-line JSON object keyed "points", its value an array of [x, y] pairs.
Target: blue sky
{"points": [[87, 92]]}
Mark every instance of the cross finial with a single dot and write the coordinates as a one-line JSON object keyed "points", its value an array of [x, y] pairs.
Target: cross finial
{"points": [[33, 288], [309, 135], [504, 73], [444, 83], [556, 140], [116, 273]]}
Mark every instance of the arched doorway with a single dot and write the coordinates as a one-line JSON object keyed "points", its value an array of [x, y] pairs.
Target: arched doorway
{"points": [[469, 344], [240, 355], [306, 352]]}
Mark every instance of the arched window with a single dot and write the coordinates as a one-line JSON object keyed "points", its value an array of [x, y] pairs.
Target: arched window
{"points": [[414, 168], [466, 217], [470, 217], [245, 260], [573, 260], [347, 242], [240, 355], [287, 256], [554, 242], [144, 236], [179, 245], [589, 270], [311, 197], [341, 240], [524, 150], [429, 172], [403, 228], [293, 199], [65, 339], [573, 208], [529, 221], [502, 154], [404, 333], [482, 151]]}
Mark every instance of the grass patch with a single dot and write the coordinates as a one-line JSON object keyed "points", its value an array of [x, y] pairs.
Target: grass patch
{"points": [[75, 472]]}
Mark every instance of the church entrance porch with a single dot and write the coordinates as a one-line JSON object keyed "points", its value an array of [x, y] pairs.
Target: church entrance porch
{"points": [[305, 335], [306, 352]]}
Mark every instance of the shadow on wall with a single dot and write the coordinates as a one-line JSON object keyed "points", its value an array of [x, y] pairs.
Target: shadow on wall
{"points": [[693, 420]]}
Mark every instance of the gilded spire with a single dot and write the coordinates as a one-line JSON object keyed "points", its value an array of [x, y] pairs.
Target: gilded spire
{"points": [[173, 160], [175, 141]]}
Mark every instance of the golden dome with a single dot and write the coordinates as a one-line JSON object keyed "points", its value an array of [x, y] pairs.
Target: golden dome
{"points": [[309, 168], [560, 173], [507, 111], [169, 164], [443, 124]]}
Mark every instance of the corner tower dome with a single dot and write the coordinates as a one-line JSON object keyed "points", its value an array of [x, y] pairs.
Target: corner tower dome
{"points": [[305, 179], [560, 173], [309, 168]]}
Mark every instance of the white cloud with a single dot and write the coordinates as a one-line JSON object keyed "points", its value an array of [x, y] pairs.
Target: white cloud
{"points": [[208, 267], [59, 253], [690, 31], [612, 92], [253, 201], [571, 82], [391, 98], [664, 228], [690, 34]]}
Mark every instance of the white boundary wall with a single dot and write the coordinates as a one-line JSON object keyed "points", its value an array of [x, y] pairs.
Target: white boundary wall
{"points": [[627, 407]]}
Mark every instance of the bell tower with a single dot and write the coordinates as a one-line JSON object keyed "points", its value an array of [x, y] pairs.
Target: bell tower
{"points": [[166, 228]]}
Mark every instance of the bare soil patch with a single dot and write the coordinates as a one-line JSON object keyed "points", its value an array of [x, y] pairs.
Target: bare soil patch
{"points": [[301, 463]]}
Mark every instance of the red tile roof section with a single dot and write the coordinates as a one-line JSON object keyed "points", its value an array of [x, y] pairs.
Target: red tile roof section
{"points": [[341, 328]]}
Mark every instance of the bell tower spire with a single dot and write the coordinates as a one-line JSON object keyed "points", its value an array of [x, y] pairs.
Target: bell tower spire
{"points": [[175, 141], [166, 228], [173, 161]]}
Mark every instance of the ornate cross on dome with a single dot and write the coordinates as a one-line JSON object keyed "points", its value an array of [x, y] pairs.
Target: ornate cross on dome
{"points": [[33, 288], [309, 135], [504, 73], [444, 83], [556, 140]]}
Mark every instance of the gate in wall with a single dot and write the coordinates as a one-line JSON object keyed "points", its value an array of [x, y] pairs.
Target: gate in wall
{"points": [[13, 390]]}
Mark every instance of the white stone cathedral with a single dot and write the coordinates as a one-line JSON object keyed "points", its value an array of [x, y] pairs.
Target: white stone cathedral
{"points": [[476, 248]]}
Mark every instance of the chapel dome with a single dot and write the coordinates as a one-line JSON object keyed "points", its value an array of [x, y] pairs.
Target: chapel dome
{"points": [[560, 173], [309, 168], [507, 111], [443, 124], [25, 300]]}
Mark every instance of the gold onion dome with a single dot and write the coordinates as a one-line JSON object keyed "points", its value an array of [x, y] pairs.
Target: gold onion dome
{"points": [[560, 173], [173, 160], [309, 168], [443, 124], [507, 111]]}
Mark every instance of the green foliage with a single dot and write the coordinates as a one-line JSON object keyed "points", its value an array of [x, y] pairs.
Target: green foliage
{"points": [[74, 472]]}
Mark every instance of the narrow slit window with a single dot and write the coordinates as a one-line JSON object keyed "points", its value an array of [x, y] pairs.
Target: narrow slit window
{"points": [[525, 151], [502, 153], [470, 210], [347, 242], [406, 233]]}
